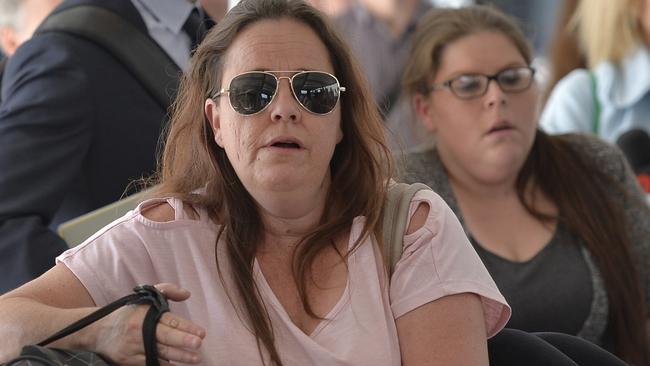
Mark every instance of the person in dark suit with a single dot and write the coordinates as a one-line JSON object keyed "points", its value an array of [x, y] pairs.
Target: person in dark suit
{"points": [[75, 128]]}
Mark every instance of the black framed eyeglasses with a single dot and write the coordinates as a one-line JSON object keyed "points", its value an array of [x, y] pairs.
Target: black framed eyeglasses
{"points": [[469, 86], [316, 91]]}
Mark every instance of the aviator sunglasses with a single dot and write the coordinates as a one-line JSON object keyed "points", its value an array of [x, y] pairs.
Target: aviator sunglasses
{"points": [[251, 92]]}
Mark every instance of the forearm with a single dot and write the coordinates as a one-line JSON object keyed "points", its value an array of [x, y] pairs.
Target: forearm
{"points": [[25, 321]]}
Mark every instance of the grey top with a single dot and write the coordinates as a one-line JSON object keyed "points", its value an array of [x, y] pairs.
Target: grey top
{"points": [[531, 289], [425, 166]]}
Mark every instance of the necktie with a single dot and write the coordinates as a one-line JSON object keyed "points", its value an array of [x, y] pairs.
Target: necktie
{"points": [[194, 28]]}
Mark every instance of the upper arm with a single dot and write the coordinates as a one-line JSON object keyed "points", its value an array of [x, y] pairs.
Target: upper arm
{"points": [[58, 287], [438, 261], [447, 331], [570, 106], [45, 129]]}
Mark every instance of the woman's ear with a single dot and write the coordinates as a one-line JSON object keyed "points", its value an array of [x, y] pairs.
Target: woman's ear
{"points": [[424, 109], [211, 111]]}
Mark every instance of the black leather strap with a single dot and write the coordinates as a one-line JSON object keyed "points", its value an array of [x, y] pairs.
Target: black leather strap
{"points": [[159, 306], [91, 318], [144, 294]]}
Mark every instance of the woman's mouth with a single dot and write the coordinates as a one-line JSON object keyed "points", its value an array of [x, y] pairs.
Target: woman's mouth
{"points": [[286, 145]]}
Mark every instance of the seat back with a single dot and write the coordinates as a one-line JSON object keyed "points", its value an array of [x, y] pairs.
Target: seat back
{"points": [[77, 230]]}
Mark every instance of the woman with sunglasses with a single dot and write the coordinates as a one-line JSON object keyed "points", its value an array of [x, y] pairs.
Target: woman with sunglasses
{"points": [[559, 221], [273, 179]]}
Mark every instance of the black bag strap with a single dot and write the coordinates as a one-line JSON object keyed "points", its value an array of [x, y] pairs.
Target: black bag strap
{"points": [[143, 294], [398, 200], [137, 51]]}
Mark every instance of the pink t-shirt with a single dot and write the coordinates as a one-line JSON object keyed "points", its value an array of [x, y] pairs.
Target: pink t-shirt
{"points": [[437, 261]]}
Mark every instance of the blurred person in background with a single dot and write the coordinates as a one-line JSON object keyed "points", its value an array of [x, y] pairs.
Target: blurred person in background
{"points": [[77, 126], [333, 8], [564, 53], [379, 33], [612, 96], [215, 10], [559, 221], [535, 17], [18, 21]]}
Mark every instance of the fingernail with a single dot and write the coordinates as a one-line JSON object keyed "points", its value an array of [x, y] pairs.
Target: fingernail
{"points": [[196, 342]]}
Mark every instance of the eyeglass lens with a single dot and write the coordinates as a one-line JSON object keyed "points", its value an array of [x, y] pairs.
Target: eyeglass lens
{"points": [[317, 92], [510, 80]]}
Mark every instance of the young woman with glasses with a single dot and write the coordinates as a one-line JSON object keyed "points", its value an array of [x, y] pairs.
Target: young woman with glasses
{"points": [[559, 221], [273, 181]]}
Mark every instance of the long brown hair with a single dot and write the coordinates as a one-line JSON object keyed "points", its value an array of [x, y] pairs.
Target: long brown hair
{"points": [[581, 191], [192, 161]]}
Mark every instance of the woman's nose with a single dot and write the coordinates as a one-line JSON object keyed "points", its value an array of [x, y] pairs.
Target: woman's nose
{"points": [[495, 94], [285, 107]]}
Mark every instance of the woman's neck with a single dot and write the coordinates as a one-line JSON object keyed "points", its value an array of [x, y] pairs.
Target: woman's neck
{"points": [[289, 216]]}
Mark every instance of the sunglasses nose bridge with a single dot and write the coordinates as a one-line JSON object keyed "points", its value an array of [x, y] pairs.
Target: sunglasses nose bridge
{"points": [[290, 89], [278, 81], [286, 104]]}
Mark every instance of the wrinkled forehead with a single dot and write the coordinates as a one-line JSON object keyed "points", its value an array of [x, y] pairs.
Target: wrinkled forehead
{"points": [[276, 44]]}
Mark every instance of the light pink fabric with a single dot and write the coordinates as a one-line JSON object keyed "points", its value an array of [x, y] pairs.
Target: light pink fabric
{"points": [[437, 261]]}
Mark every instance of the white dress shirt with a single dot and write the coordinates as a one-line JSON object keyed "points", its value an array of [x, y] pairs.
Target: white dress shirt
{"points": [[164, 20]]}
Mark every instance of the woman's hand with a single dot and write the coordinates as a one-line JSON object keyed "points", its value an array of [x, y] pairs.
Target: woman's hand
{"points": [[119, 335]]}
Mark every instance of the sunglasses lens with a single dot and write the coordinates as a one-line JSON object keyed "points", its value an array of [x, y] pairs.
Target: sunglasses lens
{"points": [[251, 92], [318, 92]]}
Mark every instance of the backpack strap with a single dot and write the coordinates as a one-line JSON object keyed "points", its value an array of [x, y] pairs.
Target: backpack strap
{"points": [[594, 95], [137, 51], [396, 207]]}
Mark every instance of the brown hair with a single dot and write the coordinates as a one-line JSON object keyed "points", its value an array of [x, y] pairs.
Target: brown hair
{"points": [[192, 161], [573, 182], [564, 52], [440, 27]]}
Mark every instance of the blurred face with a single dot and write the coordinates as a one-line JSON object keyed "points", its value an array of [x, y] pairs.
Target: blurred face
{"points": [[487, 136], [30, 16], [284, 146]]}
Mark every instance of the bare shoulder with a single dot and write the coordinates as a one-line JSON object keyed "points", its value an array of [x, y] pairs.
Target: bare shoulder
{"points": [[161, 212], [419, 218], [164, 212]]}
